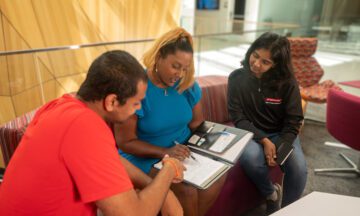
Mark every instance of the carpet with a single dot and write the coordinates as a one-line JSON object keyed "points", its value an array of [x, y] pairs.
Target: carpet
{"points": [[317, 155], [354, 83]]}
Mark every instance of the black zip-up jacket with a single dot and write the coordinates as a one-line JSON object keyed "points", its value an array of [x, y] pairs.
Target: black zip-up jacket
{"points": [[255, 107]]}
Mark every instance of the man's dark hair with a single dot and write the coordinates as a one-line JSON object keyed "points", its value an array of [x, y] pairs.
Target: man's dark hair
{"points": [[279, 47], [114, 72]]}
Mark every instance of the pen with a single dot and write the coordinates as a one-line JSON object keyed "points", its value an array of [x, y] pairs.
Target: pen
{"points": [[210, 129], [193, 157], [177, 143]]}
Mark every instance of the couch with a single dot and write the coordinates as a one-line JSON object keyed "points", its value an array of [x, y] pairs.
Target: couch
{"points": [[238, 194], [11, 133]]}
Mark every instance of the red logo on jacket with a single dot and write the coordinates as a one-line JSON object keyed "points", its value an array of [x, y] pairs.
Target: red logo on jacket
{"points": [[273, 100]]}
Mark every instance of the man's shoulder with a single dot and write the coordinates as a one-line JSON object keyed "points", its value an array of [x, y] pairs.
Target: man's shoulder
{"points": [[65, 111]]}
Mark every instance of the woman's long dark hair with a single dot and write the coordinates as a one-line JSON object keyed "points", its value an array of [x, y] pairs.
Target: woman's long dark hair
{"points": [[279, 48]]}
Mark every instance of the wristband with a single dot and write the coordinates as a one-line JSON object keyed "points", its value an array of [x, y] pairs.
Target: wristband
{"points": [[172, 163]]}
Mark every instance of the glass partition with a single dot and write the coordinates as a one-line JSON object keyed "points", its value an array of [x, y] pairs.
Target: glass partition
{"points": [[221, 53], [31, 78]]}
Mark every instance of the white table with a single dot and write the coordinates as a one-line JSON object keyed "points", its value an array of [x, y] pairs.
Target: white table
{"points": [[318, 203]]}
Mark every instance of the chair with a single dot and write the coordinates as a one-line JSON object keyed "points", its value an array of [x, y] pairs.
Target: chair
{"points": [[343, 122], [308, 71]]}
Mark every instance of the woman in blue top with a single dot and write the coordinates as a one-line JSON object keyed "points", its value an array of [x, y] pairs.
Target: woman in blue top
{"points": [[170, 111]]}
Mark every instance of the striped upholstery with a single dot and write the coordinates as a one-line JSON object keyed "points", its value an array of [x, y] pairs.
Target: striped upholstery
{"points": [[308, 71], [214, 98], [11, 133]]}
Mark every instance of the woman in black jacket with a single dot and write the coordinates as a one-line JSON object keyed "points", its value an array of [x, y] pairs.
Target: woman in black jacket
{"points": [[264, 98]]}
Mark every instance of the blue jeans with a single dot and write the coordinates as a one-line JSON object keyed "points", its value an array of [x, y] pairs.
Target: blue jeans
{"points": [[253, 162]]}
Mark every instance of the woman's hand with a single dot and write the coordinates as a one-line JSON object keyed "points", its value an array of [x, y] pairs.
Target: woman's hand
{"points": [[269, 151], [178, 151]]}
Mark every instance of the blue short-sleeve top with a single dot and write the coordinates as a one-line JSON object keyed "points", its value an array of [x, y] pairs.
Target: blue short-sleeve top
{"points": [[163, 119]]}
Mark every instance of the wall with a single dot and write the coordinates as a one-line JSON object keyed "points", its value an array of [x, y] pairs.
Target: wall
{"points": [[215, 21], [304, 13], [265, 15], [187, 15], [29, 80]]}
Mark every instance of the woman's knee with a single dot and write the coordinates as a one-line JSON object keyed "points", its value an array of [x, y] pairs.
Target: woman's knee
{"points": [[296, 166], [252, 163], [253, 155], [216, 187], [185, 190]]}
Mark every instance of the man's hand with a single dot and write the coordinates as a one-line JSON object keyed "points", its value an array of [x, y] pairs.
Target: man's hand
{"points": [[171, 206], [177, 167]]}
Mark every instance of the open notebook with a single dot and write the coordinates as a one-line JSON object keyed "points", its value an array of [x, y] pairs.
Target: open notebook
{"points": [[216, 148], [202, 171], [219, 141]]}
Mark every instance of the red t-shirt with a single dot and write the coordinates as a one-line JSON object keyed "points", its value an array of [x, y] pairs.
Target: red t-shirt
{"points": [[65, 161]]}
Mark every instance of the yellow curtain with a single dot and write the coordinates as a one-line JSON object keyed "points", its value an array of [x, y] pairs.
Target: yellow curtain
{"points": [[32, 24]]}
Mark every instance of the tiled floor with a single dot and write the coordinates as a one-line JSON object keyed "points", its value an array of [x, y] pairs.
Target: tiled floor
{"points": [[337, 67]]}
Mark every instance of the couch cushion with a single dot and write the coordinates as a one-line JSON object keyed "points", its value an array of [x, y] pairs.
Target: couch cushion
{"points": [[307, 71], [239, 194], [9, 140], [11, 133], [214, 98], [318, 93]]}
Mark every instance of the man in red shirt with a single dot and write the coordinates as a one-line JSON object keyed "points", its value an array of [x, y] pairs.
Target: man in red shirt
{"points": [[67, 162]]}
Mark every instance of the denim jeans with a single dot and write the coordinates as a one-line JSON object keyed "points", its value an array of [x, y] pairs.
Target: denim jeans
{"points": [[295, 173]]}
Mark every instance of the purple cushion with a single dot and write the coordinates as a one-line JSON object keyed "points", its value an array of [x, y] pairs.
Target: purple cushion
{"points": [[239, 194]]}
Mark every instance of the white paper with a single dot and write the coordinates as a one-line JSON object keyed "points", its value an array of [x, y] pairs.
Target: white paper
{"points": [[201, 170], [232, 154], [222, 142], [194, 139]]}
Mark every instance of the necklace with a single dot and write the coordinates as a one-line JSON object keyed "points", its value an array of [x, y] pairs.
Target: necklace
{"points": [[162, 82]]}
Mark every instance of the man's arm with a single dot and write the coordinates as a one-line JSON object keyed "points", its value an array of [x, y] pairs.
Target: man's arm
{"points": [[137, 176], [171, 205], [149, 200]]}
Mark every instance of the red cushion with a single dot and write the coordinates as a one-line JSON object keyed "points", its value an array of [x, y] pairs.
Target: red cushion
{"points": [[302, 47], [11, 133], [307, 71], [318, 93], [239, 194], [214, 98]]}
